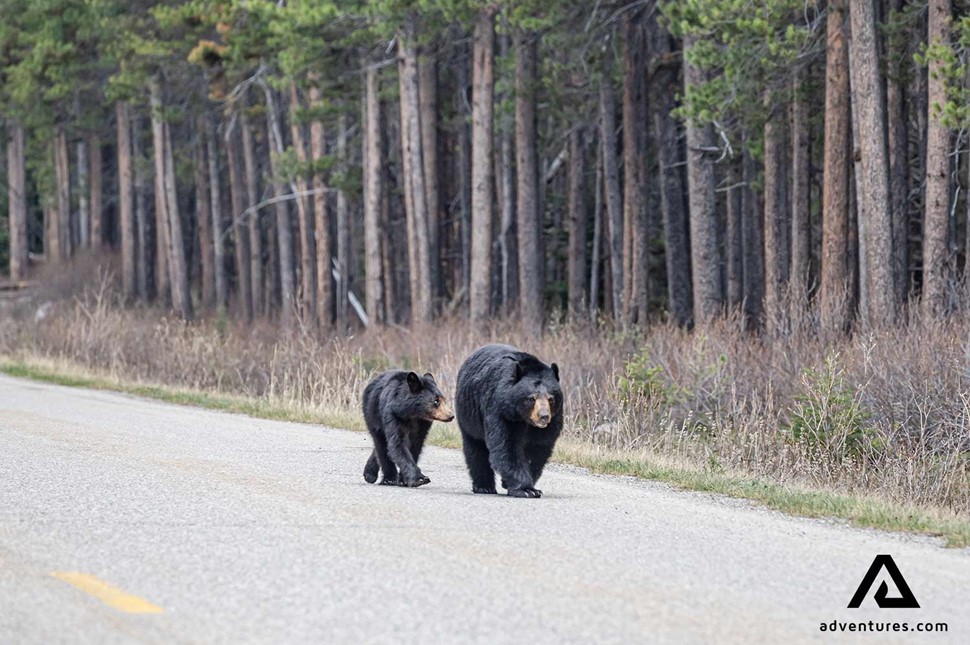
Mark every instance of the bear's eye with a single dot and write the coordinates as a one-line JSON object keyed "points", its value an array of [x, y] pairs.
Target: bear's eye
{"points": [[436, 402], [532, 398]]}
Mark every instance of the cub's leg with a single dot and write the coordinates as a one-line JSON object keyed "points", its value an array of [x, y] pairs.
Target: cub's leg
{"points": [[400, 453]]}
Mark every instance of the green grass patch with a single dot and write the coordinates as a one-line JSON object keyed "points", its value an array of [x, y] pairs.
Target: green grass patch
{"points": [[861, 511]]}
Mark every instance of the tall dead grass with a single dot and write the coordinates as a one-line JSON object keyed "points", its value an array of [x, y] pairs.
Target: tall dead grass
{"points": [[882, 413]]}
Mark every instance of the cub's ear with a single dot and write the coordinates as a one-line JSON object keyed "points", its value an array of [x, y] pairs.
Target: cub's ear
{"points": [[430, 376], [414, 382], [555, 370]]}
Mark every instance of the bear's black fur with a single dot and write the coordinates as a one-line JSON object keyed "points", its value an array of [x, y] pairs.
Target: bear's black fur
{"points": [[509, 406], [399, 407]]}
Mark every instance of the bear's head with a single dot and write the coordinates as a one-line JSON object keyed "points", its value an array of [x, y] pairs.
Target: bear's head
{"points": [[429, 403], [535, 391]]}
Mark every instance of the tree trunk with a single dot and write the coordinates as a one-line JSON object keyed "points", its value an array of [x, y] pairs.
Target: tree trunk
{"points": [[181, 296], [308, 287], [415, 191], [577, 227], [734, 244], [936, 265], [777, 221], [62, 221], [705, 256], [596, 261], [343, 232], [284, 232], [634, 151], [97, 194], [162, 272], [83, 193], [611, 178], [252, 222], [834, 288], [506, 190], [218, 230], [17, 201], [204, 215], [143, 256], [801, 243], [428, 105], [527, 174], [753, 242], [324, 281], [898, 123], [373, 269], [874, 180], [240, 235], [126, 219], [463, 108], [483, 94], [671, 156]]}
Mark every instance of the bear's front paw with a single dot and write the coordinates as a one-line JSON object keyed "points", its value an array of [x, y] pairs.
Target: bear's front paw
{"points": [[414, 482], [525, 492], [390, 481], [484, 490]]}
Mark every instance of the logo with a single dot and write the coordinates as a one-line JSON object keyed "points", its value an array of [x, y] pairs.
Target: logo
{"points": [[906, 599]]}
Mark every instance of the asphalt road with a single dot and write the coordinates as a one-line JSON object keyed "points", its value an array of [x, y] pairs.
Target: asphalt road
{"points": [[124, 520]]}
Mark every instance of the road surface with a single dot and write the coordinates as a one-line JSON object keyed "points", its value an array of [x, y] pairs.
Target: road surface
{"points": [[131, 521]]}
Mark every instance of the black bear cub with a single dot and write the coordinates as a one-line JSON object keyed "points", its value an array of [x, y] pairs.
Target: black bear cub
{"points": [[399, 407], [509, 406]]}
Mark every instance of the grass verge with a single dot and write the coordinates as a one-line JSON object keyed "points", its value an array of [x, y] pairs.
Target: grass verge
{"points": [[862, 511]]}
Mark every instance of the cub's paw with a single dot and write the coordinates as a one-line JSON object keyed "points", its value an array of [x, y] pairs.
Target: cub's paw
{"points": [[420, 480], [525, 492], [483, 490], [370, 477], [390, 481]]}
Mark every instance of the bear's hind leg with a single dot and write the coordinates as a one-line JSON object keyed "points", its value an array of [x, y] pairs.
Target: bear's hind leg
{"points": [[371, 468], [476, 456], [383, 460], [538, 455]]}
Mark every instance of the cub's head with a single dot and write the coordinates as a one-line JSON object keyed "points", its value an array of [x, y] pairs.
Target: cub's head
{"points": [[535, 391], [431, 404]]}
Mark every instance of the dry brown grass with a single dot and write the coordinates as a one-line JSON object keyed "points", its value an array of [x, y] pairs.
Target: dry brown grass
{"points": [[884, 413]]}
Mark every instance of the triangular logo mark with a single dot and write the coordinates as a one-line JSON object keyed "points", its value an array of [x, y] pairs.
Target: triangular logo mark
{"points": [[906, 599]]}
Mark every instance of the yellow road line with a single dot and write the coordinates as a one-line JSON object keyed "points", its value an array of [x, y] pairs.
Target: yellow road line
{"points": [[108, 594]]}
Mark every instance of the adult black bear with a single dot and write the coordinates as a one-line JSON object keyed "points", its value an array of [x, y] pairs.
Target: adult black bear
{"points": [[399, 407], [509, 406]]}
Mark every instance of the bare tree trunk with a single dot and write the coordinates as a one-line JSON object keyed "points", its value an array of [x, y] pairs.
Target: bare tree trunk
{"points": [[240, 235], [143, 256], [611, 178], [506, 190], [255, 232], [463, 108], [324, 281], [753, 243], [705, 256], [284, 233], [204, 215], [527, 172], [83, 193], [62, 222], [594, 277], [936, 265], [373, 269], [181, 296], [414, 185], [17, 201], [218, 231], [343, 231], [483, 94], [126, 220], [97, 194], [163, 276], [734, 243], [874, 195], [577, 227], [634, 151], [308, 287], [801, 243], [671, 157], [835, 294], [428, 105], [898, 123], [777, 220]]}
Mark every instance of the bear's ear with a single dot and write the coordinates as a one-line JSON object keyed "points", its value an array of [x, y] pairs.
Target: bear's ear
{"points": [[518, 370], [555, 370], [414, 382], [429, 376]]}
